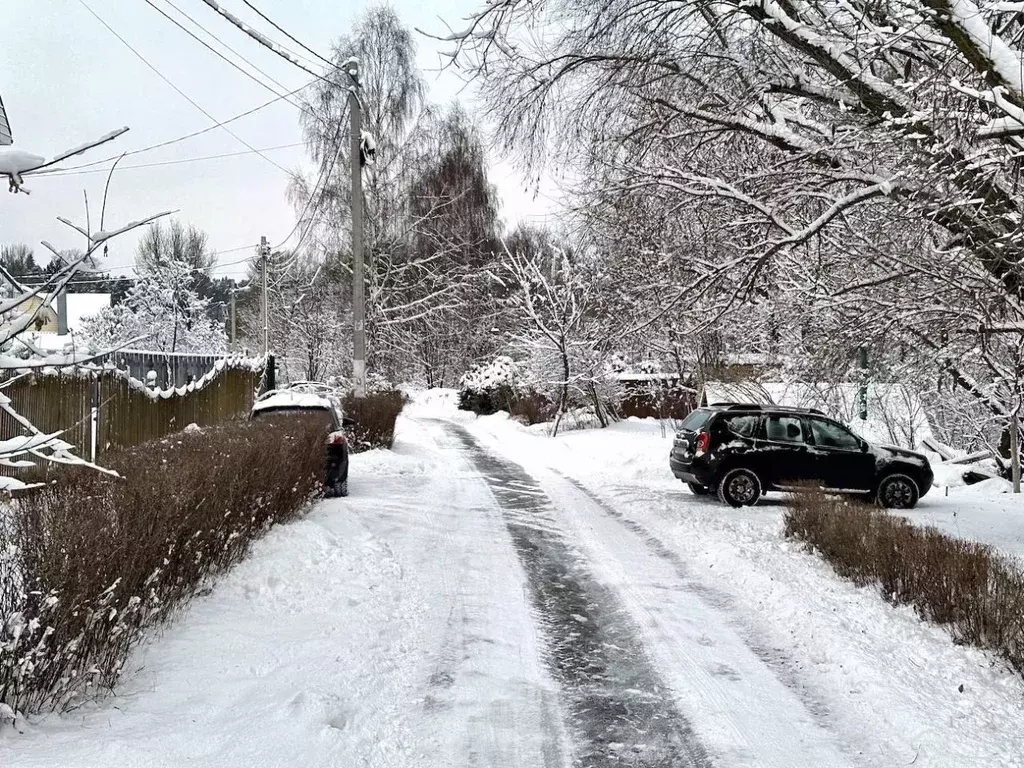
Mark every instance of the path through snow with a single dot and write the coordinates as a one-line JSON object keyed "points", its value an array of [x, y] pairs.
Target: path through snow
{"points": [[491, 598]]}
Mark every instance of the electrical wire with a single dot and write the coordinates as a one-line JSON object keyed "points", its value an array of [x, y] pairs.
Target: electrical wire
{"points": [[169, 142], [322, 179], [32, 280], [175, 87], [291, 37], [267, 42], [180, 161], [299, 106]]}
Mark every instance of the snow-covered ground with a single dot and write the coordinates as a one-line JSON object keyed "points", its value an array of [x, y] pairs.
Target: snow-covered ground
{"points": [[491, 596]]}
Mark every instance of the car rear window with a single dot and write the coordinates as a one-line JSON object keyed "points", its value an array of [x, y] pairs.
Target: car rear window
{"points": [[326, 414], [695, 420]]}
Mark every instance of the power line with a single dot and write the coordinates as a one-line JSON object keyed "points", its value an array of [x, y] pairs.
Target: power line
{"points": [[176, 88], [43, 279], [321, 181], [288, 35], [70, 172], [217, 53], [169, 142], [266, 42]]}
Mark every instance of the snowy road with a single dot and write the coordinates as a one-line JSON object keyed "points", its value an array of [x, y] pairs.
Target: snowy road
{"points": [[486, 599]]}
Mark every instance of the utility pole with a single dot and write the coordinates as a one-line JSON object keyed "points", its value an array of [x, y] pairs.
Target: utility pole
{"points": [[1015, 449], [264, 253], [358, 287], [234, 326]]}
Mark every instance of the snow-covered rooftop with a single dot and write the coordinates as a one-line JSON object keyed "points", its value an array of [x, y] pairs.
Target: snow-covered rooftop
{"points": [[83, 305]]}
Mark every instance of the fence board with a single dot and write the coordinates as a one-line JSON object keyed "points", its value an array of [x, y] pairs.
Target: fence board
{"points": [[127, 416]]}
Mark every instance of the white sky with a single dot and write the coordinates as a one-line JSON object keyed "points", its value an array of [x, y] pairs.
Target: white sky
{"points": [[66, 79]]}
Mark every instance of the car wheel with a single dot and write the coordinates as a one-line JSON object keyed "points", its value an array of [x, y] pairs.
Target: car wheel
{"points": [[739, 488], [698, 490], [342, 488], [897, 492]]}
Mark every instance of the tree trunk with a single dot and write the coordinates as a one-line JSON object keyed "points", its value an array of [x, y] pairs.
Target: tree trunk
{"points": [[598, 410]]}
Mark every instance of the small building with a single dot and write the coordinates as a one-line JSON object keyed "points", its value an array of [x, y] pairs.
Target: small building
{"points": [[79, 307]]}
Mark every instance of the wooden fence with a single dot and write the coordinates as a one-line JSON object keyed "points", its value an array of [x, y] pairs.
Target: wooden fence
{"points": [[127, 414]]}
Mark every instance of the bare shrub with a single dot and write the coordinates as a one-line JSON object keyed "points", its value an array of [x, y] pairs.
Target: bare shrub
{"points": [[532, 408], [90, 562], [375, 416], [974, 592]]}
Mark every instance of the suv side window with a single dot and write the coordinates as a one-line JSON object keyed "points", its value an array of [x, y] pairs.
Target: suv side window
{"points": [[829, 435], [744, 425], [784, 429]]}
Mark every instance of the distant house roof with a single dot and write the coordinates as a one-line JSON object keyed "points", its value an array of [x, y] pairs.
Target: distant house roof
{"points": [[895, 413], [83, 305]]}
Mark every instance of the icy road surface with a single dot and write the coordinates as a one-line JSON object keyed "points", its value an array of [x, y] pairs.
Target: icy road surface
{"points": [[488, 598]]}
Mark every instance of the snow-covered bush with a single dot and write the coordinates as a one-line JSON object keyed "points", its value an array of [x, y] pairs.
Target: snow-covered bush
{"points": [[91, 563], [493, 387]]}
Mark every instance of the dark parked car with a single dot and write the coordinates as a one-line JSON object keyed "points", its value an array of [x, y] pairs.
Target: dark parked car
{"points": [[310, 399], [742, 451]]}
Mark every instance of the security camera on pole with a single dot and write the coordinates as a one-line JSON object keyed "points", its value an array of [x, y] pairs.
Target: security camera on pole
{"points": [[357, 158]]}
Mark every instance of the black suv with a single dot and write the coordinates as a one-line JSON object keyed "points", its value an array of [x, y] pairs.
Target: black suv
{"points": [[741, 451]]}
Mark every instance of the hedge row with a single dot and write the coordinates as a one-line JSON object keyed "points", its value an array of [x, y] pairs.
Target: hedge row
{"points": [[91, 562]]}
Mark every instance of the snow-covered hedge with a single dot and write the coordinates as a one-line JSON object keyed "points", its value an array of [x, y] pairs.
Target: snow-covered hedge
{"points": [[88, 565], [493, 387]]}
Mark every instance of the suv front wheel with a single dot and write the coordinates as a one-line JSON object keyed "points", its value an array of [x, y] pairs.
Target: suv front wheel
{"points": [[898, 492], [739, 488]]}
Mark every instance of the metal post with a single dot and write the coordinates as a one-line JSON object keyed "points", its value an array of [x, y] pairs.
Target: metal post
{"points": [[1015, 450], [94, 421], [62, 313], [358, 288], [234, 327], [265, 252]]}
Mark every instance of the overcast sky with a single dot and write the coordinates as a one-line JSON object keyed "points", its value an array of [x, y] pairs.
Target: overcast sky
{"points": [[65, 79]]}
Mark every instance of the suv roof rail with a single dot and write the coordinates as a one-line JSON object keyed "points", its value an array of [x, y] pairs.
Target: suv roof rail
{"points": [[766, 407]]}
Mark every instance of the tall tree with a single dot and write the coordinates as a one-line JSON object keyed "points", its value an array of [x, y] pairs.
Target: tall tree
{"points": [[184, 245], [19, 260], [430, 215]]}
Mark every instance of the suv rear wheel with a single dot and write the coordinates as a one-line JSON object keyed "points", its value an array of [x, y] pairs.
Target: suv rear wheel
{"points": [[898, 492], [739, 487]]}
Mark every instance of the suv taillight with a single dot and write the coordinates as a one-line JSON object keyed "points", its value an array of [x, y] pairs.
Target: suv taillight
{"points": [[336, 438], [703, 441]]}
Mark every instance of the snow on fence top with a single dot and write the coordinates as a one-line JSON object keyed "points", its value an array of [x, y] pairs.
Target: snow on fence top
{"points": [[895, 414], [232, 362], [217, 365]]}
